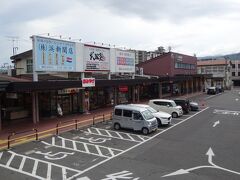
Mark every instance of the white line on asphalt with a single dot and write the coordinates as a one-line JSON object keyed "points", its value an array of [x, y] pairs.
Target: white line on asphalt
{"points": [[1, 153], [209, 97], [35, 168], [49, 170], [120, 133], [64, 173], [106, 160], [33, 174], [10, 160], [22, 163], [90, 132]]}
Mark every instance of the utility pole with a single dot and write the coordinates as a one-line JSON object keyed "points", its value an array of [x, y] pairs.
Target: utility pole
{"points": [[14, 40]]}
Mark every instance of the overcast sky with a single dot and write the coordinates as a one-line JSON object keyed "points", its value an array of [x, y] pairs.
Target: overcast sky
{"points": [[201, 27]]}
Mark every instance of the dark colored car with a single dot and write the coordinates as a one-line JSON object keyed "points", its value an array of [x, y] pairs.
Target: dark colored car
{"points": [[184, 103], [194, 106], [211, 90]]}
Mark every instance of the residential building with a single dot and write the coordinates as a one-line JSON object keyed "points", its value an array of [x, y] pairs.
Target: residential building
{"points": [[220, 70], [236, 72], [140, 56]]}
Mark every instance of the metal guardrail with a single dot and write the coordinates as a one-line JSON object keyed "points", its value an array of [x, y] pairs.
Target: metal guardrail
{"points": [[19, 138], [60, 125]]}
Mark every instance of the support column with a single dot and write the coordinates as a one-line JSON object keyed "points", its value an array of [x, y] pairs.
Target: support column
{"points": [[138, 93], [192, 85], [0, 112], [37, 107], [160, 90], [187, 90], [34, 118], [133, 94], [115, 96]]}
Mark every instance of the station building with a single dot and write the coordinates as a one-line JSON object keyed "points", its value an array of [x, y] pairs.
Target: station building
{"points": [[99, 77]]}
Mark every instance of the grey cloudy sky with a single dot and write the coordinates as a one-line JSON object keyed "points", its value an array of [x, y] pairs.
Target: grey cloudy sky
{"points": [[203, 27]]}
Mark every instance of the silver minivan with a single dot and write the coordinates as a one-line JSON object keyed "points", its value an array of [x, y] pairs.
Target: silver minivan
{"points": [[132, 117]]}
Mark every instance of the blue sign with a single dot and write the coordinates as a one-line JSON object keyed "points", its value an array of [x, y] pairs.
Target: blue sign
{"points": [[54, 55]]}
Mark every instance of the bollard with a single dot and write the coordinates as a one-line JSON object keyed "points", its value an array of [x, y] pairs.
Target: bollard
{"points": [[9, 136], [36, 133], [76, 125], [93, 120]]}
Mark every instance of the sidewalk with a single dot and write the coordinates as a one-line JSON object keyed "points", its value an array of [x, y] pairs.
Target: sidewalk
{"points": [[50, 123]]}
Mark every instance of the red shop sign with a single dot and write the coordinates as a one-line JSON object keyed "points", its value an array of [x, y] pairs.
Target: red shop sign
{"points": [[123, 88]]}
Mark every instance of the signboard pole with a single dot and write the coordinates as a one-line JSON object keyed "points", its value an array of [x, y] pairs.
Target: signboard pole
{"points": [[35, 75]]}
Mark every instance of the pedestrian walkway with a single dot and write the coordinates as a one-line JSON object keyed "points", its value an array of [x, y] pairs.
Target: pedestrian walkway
{"points": [[47, 124]]}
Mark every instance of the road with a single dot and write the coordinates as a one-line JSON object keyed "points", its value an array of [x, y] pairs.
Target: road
{"points": [[185, 146], [201, 145]]}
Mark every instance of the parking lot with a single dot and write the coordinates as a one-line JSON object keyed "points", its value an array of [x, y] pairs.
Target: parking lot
{"points": [[70, 154]]}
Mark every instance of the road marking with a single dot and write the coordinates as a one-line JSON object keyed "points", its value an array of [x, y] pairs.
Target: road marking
{"points": [[111, 151], [117, 135], [10, 160], [35, 166], [216, 123], [212, 96], [210, 154], [226, 112], [120, 175], [94, 140], [236, 99], [137, 145], [50, 156]]}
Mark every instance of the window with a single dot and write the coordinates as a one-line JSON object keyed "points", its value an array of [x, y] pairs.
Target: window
{"points": [[233, 73], [238, 73], [159, 103], [184, 66], [118, 112], [137, 116], [127, 113], [233, 65], [238, 65], [29, 66]]}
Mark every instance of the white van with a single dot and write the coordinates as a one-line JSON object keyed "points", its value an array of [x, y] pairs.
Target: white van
{"points": [[163, 118], [168, 106], [132, 117]]}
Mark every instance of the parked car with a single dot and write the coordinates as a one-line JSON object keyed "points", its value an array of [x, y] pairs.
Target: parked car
{"points": [[168, 106], [184, 103], [219, 89], [193, 106], [132, 117], [211, 90], [163, 118]]}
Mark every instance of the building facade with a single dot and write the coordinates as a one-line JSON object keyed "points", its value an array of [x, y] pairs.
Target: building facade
{"points": [[236, 72], [220, 71], [182, 67]]}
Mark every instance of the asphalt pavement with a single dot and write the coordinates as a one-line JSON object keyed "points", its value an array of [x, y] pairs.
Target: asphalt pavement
{"points": [[201, 145]]}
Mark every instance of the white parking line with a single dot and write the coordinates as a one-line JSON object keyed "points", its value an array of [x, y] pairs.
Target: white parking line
{"points": [[33, 172], [86, 146], [117, 135], [106, 160]]}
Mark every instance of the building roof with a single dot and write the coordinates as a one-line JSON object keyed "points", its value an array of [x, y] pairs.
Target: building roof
{"points": [[22, 55], [212, 62], [4, 77]]}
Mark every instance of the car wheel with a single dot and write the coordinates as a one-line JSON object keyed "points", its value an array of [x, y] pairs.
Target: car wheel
{"points": [[117, 126], [159, 122], [174, 115], [145, 131]]}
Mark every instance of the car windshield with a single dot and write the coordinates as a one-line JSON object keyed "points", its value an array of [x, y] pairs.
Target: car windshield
{"points": [[151, 109], [147, 115]]}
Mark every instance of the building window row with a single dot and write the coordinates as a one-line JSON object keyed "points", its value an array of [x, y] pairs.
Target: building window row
{"points": [[29, 65], [184, 66]]}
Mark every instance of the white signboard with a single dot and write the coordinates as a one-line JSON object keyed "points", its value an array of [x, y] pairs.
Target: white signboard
{"points": [[96, 58], [88, 82], [125, 61], [54, 55]]}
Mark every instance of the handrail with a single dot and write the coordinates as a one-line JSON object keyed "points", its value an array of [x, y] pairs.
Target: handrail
{"points": [[22, 132]]}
